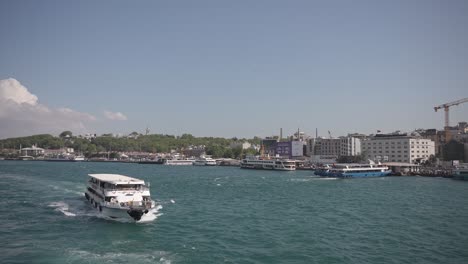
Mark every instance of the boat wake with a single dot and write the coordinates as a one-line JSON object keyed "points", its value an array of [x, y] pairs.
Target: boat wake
{"points": [[77, 256], [79, 209], [62, 207], [152, 215], [313, 178]]}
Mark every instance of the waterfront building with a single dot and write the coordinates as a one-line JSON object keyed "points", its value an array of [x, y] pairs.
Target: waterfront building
{"points": [[269, 146], [398, 148], [289, 149], [342, 146], [33, 151], [243, 145], [458, 133]]}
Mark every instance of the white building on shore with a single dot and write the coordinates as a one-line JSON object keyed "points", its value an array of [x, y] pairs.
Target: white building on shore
{"points": [[33, 151], [328, 150], [398, 148]]}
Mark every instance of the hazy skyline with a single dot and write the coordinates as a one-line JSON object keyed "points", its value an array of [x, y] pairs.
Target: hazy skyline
{"points": [[225, 68]]}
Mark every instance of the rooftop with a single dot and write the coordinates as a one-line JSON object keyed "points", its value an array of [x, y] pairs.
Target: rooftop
{"points": [[116, 179]]}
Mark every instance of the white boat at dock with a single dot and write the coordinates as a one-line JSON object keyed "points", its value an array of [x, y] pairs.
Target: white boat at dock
{"points": [[268, 164], [178, 162], [204, 161], [119, 197]]}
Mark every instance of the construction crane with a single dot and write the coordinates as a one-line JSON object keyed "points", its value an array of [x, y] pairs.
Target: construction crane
{"points": [[447, 120]]}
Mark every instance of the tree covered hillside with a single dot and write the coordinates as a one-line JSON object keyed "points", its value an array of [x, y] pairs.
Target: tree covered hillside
{"points": [[216, 146]]}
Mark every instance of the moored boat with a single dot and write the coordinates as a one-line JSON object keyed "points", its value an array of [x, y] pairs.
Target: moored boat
{"points": [[268, 164], [119, 197], [78, 158], [178, 162], [461, 173], [204, 161]]}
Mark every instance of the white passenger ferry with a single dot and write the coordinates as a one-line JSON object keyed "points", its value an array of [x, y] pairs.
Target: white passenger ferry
{"points": [[119, 197], [176, 162], [461, 172], [268, 164], [204, 161], [354, 170]]}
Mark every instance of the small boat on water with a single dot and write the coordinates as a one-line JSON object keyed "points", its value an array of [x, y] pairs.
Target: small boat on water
{"points": [[78, 158], [65, 158], [354, 170], [119, 197]]}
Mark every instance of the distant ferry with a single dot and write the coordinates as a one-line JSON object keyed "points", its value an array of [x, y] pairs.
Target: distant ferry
{"points": [[461, 173], [354, 170], [204, 161], [119, 197], [178, 162], [66, 158], [268, 164]]}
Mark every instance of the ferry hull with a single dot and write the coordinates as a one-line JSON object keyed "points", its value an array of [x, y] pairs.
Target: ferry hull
{"points": [[253, 167], [364, 174], [122, 214]]}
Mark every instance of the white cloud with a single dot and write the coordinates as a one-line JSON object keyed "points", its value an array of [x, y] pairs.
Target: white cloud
{"points": [[11, 89], [21, 114], [115, 115]]}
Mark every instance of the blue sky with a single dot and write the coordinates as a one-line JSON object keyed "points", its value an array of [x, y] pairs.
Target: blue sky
{"points": [[238, 68]]}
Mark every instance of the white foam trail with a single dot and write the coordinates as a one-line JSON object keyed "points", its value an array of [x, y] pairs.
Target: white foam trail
{"points": [[65, 190], [62, 207], [152, 215], [300, 180], [119, 257]]}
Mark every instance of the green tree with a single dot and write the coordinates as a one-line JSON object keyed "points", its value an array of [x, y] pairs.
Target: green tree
{"points": [[66, 134], [237, 152]]}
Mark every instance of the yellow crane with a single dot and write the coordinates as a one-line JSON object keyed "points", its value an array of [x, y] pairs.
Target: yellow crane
{"points": [[447, 120]]}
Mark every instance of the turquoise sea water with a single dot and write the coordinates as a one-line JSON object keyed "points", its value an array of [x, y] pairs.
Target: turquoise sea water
{"points": [[230, 215]]}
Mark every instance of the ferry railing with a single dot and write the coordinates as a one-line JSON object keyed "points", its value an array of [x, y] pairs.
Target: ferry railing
{"points": [[146, 204]]}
